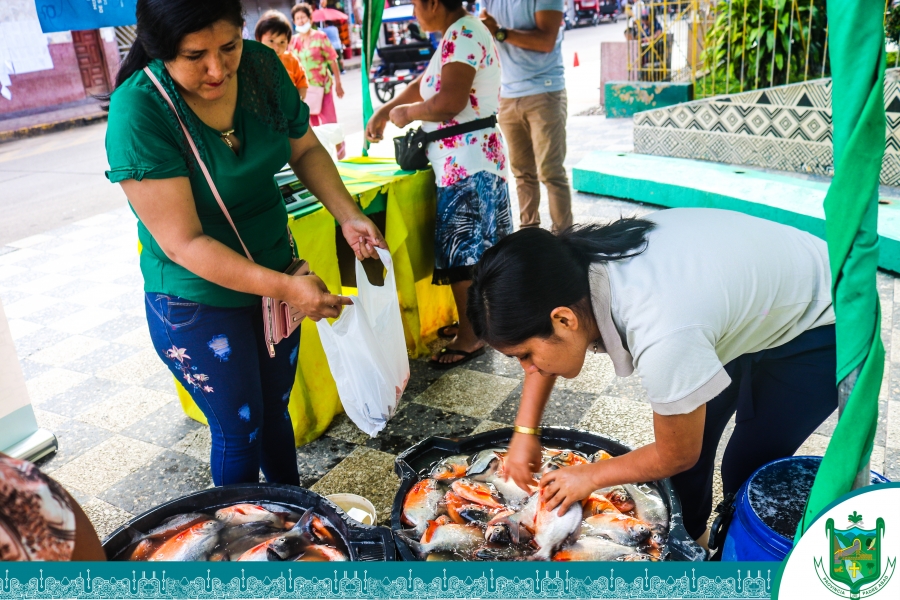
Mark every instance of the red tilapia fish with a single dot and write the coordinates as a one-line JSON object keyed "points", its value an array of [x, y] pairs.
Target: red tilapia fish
{"points": [[465, 508], [241, 532]]}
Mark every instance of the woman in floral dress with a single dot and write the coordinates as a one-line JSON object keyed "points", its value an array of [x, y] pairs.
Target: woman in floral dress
{"points": [[317, 56], [461, 84]]}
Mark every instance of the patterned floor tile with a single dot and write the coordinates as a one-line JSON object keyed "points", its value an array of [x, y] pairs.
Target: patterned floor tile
{"points": [[44, 284], [164, 427], [83, 320], [486, 425], [628, 421], [468, 392], [414, 422], [318, 457], [494, 363], [135, 369], [138, 337], [564, 408], [74, 439], [76, 288], [126, 408], [81, 397], [105, 517], [19, 328], [116, 327], [892, 439], [32, 369], [196, 444], [167, 476], [343, 428], [892, 464], [52, 382], [421, 376], [101, 359], [67, 350], [30, 305], [366, 472], [596, 375], [106, 464], [627, 387]]}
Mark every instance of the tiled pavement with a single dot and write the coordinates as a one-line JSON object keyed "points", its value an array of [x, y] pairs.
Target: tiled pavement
{"points": [[73, 299]]}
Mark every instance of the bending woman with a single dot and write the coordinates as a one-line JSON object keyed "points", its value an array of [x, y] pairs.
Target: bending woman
{"points": [[717, 312], [202, 293]]}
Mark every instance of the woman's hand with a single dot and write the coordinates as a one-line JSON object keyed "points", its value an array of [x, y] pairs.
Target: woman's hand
{"points": [[568, 485], [310, 294], [338, 89], [375, 126], [363, 236], [523, 460], [400, 116]]}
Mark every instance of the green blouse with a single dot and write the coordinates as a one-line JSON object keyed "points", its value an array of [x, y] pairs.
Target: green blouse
{"points": [[144, 140]]}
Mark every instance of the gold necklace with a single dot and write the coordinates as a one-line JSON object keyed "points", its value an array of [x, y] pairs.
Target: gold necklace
{"points": [[224, 135]]}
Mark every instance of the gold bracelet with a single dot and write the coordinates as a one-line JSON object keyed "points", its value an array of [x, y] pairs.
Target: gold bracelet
{"points": [[527, 430]]}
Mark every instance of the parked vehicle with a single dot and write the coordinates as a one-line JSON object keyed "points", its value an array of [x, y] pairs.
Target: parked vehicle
{"points": [[403, 51]]}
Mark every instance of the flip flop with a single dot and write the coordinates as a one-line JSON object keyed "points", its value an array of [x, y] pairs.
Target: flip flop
{"points": [[466, 357], [444, 335]]}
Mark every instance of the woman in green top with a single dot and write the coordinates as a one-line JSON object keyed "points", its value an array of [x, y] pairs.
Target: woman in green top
{"points": [[202, 293]]}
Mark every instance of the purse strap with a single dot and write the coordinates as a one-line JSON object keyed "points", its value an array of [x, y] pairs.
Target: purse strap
{"points": [[469, 126], [212, 186]]}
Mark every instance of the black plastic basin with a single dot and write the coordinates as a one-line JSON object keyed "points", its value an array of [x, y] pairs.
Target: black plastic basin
{"points": [[361, 542], [421, 456]]}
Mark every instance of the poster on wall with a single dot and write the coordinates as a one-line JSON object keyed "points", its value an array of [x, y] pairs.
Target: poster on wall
{"points": [[76, 15]]}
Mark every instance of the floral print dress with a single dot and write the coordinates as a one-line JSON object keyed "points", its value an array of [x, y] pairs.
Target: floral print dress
{"points": [[453, 159], [314, 54]]}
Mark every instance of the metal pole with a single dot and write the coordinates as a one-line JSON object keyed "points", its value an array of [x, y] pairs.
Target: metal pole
{"points": [[845, 388]]}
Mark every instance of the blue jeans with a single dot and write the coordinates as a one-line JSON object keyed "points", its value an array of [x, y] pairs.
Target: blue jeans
{"points": [[220, 356]]}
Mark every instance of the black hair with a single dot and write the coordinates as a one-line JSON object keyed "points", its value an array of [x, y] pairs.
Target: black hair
{"points": [[518, 282], [273, 22], [452, 5], [303, 7], [162, 24]]}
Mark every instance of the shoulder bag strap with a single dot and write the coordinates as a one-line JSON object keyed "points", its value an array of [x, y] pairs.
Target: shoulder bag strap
{"points": [[212, 186], [467, 127]]}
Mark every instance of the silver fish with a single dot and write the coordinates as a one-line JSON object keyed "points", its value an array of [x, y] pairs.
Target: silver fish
{"points": [[505, 552], [422, 504], [450, 537], [236, 541], [194, 543], [595, 549], [617, 527], [452, 467], [175, 524], [485, 465], [510, 491], [551, 531], [648, 506], [619, 497]]}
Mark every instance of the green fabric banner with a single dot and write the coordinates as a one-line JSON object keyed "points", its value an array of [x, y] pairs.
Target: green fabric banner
{"points": [[856, 50], [373, 10]]}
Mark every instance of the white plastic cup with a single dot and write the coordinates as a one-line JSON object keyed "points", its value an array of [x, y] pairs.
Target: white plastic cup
{"points": [[356, 507]]}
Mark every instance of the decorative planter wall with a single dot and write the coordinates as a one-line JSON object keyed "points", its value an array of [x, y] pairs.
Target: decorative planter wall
{"points": [[786, 128]]}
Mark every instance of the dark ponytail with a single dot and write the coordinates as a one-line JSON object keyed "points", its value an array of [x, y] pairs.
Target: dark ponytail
{"points": [[519, 282], [162, 24]]}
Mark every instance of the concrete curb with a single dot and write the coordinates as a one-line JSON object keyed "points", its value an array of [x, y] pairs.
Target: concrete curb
{"points": [[61, 125]]}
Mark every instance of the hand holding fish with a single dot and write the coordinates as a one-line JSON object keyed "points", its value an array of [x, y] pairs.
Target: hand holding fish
{"points": [[523, 460], [568, 485]]}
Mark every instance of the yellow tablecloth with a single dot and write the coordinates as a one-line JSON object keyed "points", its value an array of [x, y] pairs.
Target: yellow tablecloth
{"points": [[409, 231]]}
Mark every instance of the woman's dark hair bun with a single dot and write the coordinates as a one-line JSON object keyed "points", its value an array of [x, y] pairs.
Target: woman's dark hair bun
{"points": [[528, 274]]}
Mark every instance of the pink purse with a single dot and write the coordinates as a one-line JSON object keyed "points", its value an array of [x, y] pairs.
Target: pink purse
{"points": [[315, 94], [280, 318]]}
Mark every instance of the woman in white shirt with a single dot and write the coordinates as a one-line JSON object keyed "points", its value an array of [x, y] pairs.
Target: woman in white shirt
{"points": [[461, 84], [719, 313]]}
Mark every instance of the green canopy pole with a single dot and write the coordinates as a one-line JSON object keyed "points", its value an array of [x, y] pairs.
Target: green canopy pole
{"points": [[373, 10], [856, 51]]}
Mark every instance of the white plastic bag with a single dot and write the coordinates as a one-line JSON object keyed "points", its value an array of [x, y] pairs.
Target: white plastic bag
{"points": [[366, 351], [330, 135]]}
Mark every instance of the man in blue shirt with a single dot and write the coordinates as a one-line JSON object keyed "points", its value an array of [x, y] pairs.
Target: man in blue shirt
{"points": [[533, 102]]}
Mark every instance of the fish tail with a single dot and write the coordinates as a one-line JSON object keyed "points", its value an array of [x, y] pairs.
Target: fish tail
{"points": [[408, 536]]}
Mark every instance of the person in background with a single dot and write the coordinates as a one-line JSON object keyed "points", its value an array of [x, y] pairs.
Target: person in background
{"points": [[39, 520], [245, 31], [533, 102], [315, 52], [274, 30], [460, 84], [334, 36]]}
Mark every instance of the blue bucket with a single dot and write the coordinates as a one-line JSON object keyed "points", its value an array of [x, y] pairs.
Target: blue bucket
{"points": [[768, 509]]}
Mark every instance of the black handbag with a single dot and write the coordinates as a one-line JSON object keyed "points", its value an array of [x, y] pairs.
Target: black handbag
{"points": [[410, 148]]}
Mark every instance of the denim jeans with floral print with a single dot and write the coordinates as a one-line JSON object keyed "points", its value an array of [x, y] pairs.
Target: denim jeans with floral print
{"points": [[220, 357]]}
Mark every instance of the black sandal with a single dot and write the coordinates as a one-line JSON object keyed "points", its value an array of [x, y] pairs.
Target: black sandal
{"points": [[466, 357], [444, 334]]}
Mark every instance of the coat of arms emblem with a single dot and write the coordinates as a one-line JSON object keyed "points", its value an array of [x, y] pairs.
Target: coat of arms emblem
{"points": [[855, 559]]}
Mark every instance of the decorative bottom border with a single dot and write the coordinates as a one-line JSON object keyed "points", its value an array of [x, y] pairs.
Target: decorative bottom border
{"points": [[386, 580]]}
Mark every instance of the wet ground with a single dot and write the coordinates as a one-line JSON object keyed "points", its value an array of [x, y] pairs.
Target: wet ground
{"points": [[73, 298]]}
